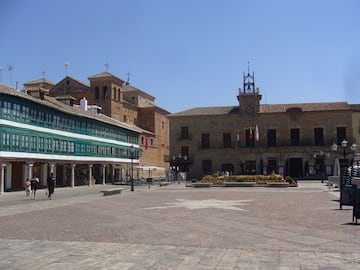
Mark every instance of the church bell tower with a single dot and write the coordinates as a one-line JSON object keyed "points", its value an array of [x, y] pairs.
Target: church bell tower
{"points": [[249, 97]]}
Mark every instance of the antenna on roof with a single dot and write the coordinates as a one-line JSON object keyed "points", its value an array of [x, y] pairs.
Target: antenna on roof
{"points": [[248, 67], [43, 73], [66, 65], [106, 66], [1, 69], [10, 69], [128, 78]]}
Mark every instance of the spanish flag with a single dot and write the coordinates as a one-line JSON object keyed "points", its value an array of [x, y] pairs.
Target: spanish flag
{"points": [[250, 133]]}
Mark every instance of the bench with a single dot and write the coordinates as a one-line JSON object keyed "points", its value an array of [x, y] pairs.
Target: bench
{"points": [[112, 191], [163, 183]]}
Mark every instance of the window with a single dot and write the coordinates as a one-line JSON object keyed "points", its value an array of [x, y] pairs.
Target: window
{"points": [[6, 140], [114, 93], [48, 144], [185, 151], [7, 109], [272, 166], [33, 143], [97, 93], [294, 136], [41, 144], [271, 137], [24, 142], [318, 136], [63, 146], [207, 166], [41, 117], [250, 167], [16, 141], [227, 140], [340, 134], [162, 124], [56, 145], [142, 140], [16, 113], [105, 92], [184, 133], [205, 140], [249, 135], [26, 114]]}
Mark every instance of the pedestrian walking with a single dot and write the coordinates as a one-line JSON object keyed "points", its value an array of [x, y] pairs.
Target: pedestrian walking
{"points": [[27, 187], [51, 184], [34, 185]]}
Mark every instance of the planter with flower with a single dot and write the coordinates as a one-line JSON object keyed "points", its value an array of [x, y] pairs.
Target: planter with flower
{"points": [[273, 180]]}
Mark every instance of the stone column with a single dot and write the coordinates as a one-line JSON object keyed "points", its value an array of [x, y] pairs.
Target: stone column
{"points": [[2, 178], [104, 174], [90, 174], [73, 175], [30, 170]]}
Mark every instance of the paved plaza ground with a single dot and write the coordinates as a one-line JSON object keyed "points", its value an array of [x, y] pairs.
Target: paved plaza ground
{"points": [[178, 227]]}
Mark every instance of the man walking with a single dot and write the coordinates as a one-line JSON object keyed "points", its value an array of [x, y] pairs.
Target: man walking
{"points": [[51, 184]]}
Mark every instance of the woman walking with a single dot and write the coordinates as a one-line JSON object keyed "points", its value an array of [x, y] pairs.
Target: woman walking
{"points": [[34, 184]]}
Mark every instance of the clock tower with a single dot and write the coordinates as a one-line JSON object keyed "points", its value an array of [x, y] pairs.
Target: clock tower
{"points": [[249, 97]]}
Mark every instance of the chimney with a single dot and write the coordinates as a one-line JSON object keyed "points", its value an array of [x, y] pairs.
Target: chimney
{"points": [[84, 104]]}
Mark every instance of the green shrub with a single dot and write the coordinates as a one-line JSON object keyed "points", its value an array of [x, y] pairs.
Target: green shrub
{"points": [[290, 180]]}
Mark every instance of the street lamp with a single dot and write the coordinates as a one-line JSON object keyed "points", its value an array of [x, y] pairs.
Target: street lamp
{"points": [[132, 167], [344, 145], [346, 189]]}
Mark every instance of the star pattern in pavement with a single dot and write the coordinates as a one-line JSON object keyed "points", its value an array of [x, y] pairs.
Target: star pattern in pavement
{"points": [[201, 204]]}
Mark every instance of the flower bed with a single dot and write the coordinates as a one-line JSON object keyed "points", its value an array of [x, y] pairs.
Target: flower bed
{"points": [[273, 180]]}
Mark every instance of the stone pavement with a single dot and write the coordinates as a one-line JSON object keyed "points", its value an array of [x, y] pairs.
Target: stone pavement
{"points": [[175, 227]]}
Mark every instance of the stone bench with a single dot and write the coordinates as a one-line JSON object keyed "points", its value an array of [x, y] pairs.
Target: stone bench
{"points": [[112, 191], [163, 183]]}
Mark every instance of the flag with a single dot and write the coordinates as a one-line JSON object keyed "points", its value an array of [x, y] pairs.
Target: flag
{"points": [[250, 133], [238, 137], [146, 143], [257, 133]]}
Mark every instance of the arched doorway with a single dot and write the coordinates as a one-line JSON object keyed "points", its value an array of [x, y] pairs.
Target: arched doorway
{"points": [[227, 167]]}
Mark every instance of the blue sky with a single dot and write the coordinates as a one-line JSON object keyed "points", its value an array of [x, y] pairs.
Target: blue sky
{"points": [[189, 53]]}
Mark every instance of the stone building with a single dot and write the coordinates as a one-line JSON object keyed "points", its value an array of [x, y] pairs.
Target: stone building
{"points": [[120, 100], [255, 138], [40, 134]]}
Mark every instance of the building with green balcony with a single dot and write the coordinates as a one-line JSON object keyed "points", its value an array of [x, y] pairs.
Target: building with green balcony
{"points": [[40, 134]]}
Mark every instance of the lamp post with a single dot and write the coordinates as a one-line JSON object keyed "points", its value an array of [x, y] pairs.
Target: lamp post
{"points": [[132, 167], [346, 189], [344, 145]]}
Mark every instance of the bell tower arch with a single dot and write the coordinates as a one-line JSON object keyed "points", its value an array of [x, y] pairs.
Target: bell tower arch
{"points": [[249, 96]]}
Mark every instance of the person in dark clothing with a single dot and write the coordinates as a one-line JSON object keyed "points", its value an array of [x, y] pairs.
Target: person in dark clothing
{"points": [[34, 185], [51, 184]]}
